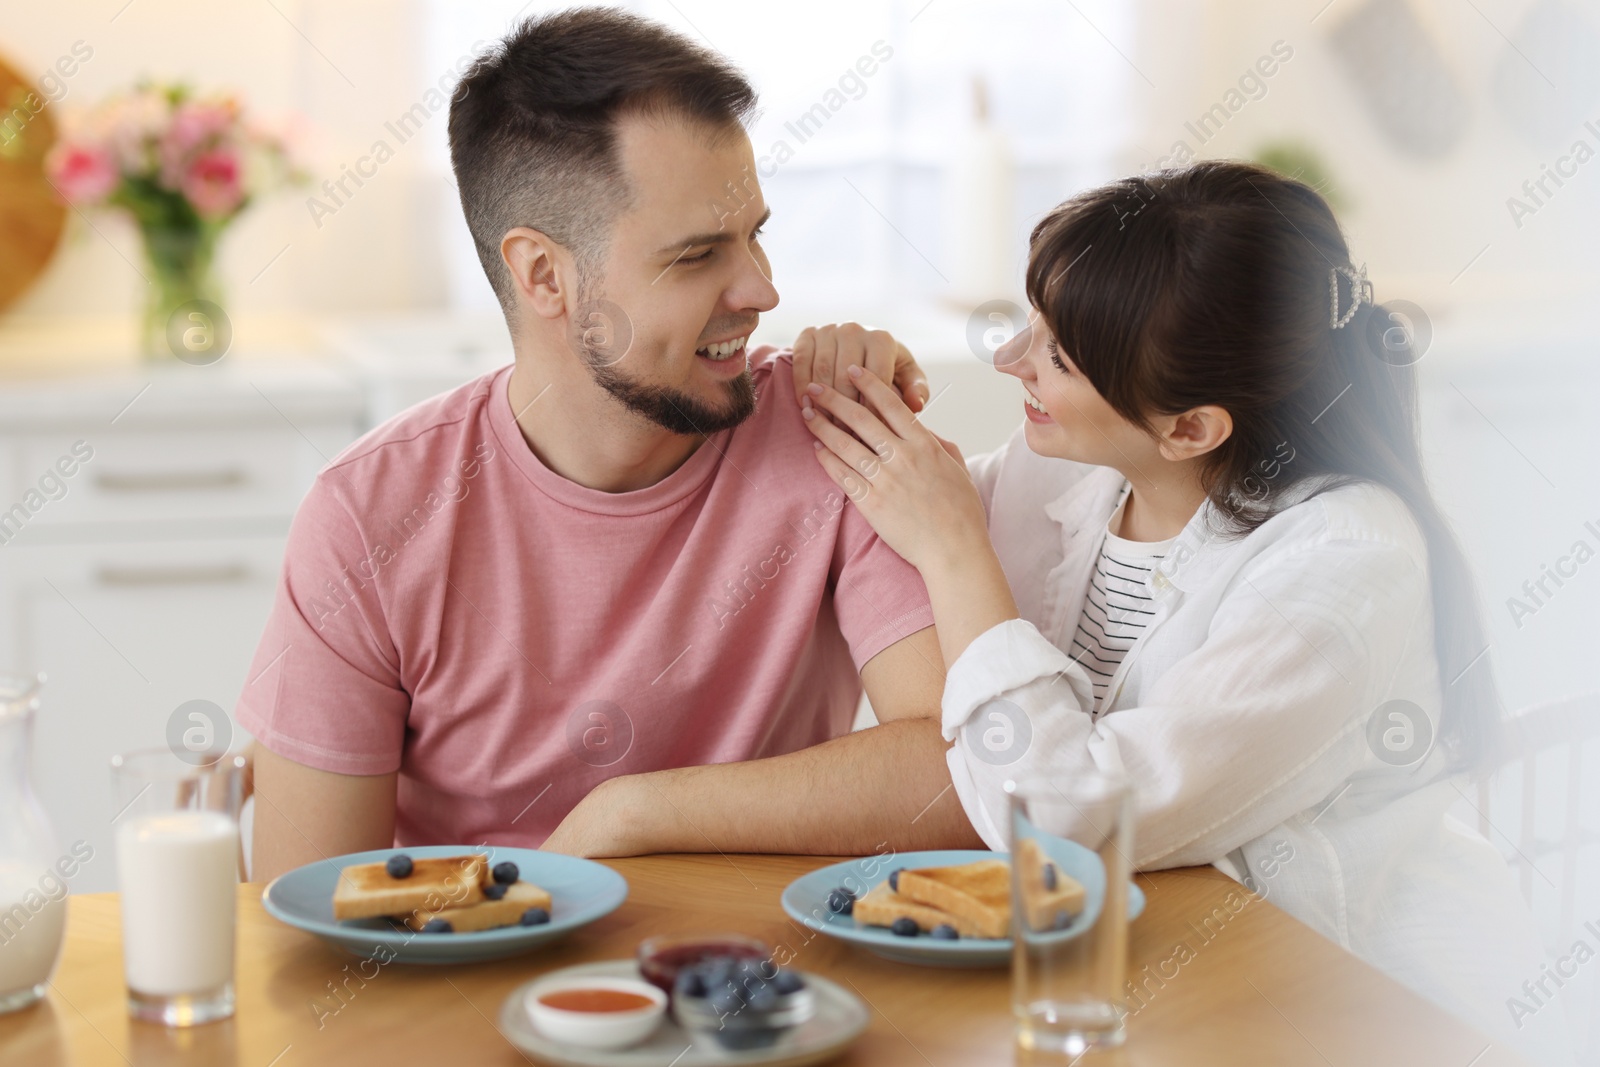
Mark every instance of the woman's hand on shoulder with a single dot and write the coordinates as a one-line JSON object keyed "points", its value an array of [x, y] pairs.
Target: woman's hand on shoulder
{"points": [[825, 354], [909, 483]]}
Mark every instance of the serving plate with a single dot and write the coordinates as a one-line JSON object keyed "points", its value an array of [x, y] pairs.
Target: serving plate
{"points": [[806, 901], [840, 1018], [581, 891]]}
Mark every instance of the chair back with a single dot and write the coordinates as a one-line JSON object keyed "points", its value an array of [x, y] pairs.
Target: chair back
{"points": [[1532, 733], [1536, 801]]}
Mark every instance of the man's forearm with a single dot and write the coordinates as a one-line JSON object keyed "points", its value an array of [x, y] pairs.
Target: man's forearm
{"points": [[887, 784]]}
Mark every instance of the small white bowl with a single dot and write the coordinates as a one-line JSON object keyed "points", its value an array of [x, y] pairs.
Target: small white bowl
{"points": [[596, 1029]]}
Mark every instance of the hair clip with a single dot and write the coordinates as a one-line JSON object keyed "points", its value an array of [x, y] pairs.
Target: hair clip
{"points": [[1360, 292]]}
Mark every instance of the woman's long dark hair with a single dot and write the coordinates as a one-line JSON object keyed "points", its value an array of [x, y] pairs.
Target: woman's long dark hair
{"points": [[1211, 285]]}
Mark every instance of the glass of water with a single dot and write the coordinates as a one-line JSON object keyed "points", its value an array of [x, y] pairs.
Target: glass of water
{"points": [[1071, 849]]}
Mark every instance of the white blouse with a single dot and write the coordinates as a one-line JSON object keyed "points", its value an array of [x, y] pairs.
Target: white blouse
{"points": [[1243, 715]]}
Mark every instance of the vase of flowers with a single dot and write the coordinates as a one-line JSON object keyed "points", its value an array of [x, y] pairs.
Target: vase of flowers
{"points": [[183, 166]]}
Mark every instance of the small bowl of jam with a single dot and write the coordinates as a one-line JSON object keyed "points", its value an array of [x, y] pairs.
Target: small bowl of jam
{"points": [[661, 958], [595, 1011]]}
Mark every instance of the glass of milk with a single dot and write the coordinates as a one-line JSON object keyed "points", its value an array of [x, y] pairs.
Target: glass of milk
{"points": [[177, 832]]}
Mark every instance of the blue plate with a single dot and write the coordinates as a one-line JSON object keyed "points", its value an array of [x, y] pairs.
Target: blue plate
{"points": [[580, 892], [806, 901]]}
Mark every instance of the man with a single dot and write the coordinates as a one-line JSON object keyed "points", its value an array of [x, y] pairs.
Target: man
{"points": [[605, 600]]}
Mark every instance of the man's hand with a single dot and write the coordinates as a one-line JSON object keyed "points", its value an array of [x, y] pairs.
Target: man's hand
{"points": [[598, 826], [826, 353]]}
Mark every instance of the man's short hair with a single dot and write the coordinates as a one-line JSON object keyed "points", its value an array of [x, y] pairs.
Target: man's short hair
{"points": [[533, 125]]}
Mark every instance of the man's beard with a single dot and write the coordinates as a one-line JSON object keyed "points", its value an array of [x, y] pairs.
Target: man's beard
{"points": [[672, 409]]}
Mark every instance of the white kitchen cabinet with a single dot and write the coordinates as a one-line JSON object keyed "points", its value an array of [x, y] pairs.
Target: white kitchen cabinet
{"points": [[127, 632], [163, 475], [143, 579]]}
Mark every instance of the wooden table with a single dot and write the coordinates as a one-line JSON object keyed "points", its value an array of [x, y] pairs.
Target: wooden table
{"points": [[1252, 986]]}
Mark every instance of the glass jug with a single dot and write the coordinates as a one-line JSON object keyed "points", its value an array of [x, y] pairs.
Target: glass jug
{"points": [[33, 888]]}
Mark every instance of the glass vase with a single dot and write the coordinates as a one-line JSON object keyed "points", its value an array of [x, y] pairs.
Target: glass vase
{"points": [[33, 892], [179, 263]]}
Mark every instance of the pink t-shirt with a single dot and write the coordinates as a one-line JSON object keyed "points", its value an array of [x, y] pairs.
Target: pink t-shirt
{"points": [[507, 639]]}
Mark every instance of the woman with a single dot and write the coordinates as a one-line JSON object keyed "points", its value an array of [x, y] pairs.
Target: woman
{"points": [[1209, 559]]}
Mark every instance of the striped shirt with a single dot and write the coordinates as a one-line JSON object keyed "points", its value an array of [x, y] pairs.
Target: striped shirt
{"points": [[1118, 607]]}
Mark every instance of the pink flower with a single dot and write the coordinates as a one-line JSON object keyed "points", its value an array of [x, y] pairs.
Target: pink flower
{"points": [[196, 126], [132, 125], [82, 173], [212, 183]]}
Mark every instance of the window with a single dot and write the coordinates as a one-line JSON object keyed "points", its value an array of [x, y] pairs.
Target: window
{"points": [[864, 104]]}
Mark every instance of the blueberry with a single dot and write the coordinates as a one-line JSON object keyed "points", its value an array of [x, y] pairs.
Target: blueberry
{"points": [[535, 917], [506, 873], [763, 998], [904, 927], [945, 932], [1049, 878], [725, 1000], [437, 926], [399, 865], [494, 892], [788, 982], [690, 984], [841, 902], [894, 879], [717, 969]]}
